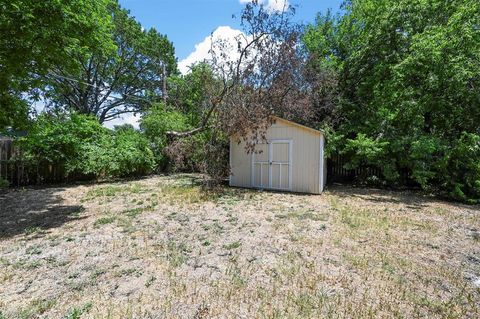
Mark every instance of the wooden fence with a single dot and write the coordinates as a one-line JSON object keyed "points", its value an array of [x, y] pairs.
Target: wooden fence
{"points": [[19, 172], [11, 169], [337, 173]]}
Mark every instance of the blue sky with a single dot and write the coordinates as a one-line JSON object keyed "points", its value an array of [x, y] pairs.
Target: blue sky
{"points": [[188, 22]]}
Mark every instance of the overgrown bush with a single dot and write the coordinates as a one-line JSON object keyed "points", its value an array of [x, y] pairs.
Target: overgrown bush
{"points": [[155, 124], [4, 183], [85, 149], [60, 140], [205, 152], [459, 169], [124, 152]]}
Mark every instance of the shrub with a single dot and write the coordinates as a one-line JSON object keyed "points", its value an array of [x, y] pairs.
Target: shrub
{"points": [[122, 153], [155, 123], [59, 140], [4, 183], [85, 149], [437, 165], [459, 169], [206, 152]]}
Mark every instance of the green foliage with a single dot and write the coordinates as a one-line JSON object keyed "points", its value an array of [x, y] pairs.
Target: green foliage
{"points": [[80, 145], [40, 35], [59, 139], [206, 151], [188, 92], [76, 313], [365, 150], [156, 122], [461, 168], [125, 152], [408, 79], [4, 183], [14, 112]]}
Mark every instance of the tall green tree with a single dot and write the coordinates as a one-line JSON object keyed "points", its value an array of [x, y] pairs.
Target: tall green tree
{"points": [[409, 78], [188, 93], [108, 85], [37, 35]]}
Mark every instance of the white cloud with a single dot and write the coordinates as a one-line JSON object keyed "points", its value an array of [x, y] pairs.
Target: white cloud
{"points": [[228, 36], [278, 5], [202, 52], [271, 5], [129, 118]]}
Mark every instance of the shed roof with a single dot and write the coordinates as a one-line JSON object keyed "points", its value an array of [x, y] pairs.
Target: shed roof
{"points": [[276, 118]]}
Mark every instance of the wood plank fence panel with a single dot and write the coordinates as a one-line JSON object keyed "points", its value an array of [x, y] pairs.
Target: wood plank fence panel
{"points": [[337, 173], [18, 172]]}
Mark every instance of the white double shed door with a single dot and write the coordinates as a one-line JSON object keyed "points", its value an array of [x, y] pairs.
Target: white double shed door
{"points": [[272, 165]]}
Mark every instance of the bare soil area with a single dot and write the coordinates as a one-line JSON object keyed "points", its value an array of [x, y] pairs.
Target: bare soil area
{"points": [[162, 247]]}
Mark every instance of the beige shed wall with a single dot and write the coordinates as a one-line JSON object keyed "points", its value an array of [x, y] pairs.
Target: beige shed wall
{"points": [[305, 161]]}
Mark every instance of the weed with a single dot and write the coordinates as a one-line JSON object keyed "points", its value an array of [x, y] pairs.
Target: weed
{"points": [[104, 221], [133, 212], [76, 313], [232, 220], [233, 245], [105, 191], [217, 228], [33, 230], [177, 253], [36, 308], [126, 225], [32, 265], [33, 250], [131, 271], [110, 191], [97, 273], [150, 281], [303, 215]]}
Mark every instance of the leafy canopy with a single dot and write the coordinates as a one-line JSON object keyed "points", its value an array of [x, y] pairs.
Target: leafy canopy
{"points": [[409, 83]]}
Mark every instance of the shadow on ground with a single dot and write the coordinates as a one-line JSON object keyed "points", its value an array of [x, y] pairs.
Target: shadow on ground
{"points": [[25, 211], [411, 199]]}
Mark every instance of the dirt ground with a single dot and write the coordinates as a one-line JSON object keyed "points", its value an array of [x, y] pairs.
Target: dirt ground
{"points": [[162, 247]]}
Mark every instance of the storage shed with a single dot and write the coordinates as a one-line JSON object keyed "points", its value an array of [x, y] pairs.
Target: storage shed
{"points": [[290, 159]]}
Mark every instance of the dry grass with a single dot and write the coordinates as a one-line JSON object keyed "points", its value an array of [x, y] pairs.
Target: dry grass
{"points": [[164, 248]]}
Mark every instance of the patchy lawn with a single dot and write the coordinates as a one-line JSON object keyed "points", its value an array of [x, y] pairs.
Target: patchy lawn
{"points": [[163, 248]]}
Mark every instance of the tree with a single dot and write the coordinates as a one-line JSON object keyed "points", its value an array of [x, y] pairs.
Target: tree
{"points": [[36, 35], [14, 112], [188, 93], [266, 76], [408, 77], [108, 85]]}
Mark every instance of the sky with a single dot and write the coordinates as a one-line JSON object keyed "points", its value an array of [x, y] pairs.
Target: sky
{"points": [[189, 24]]}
